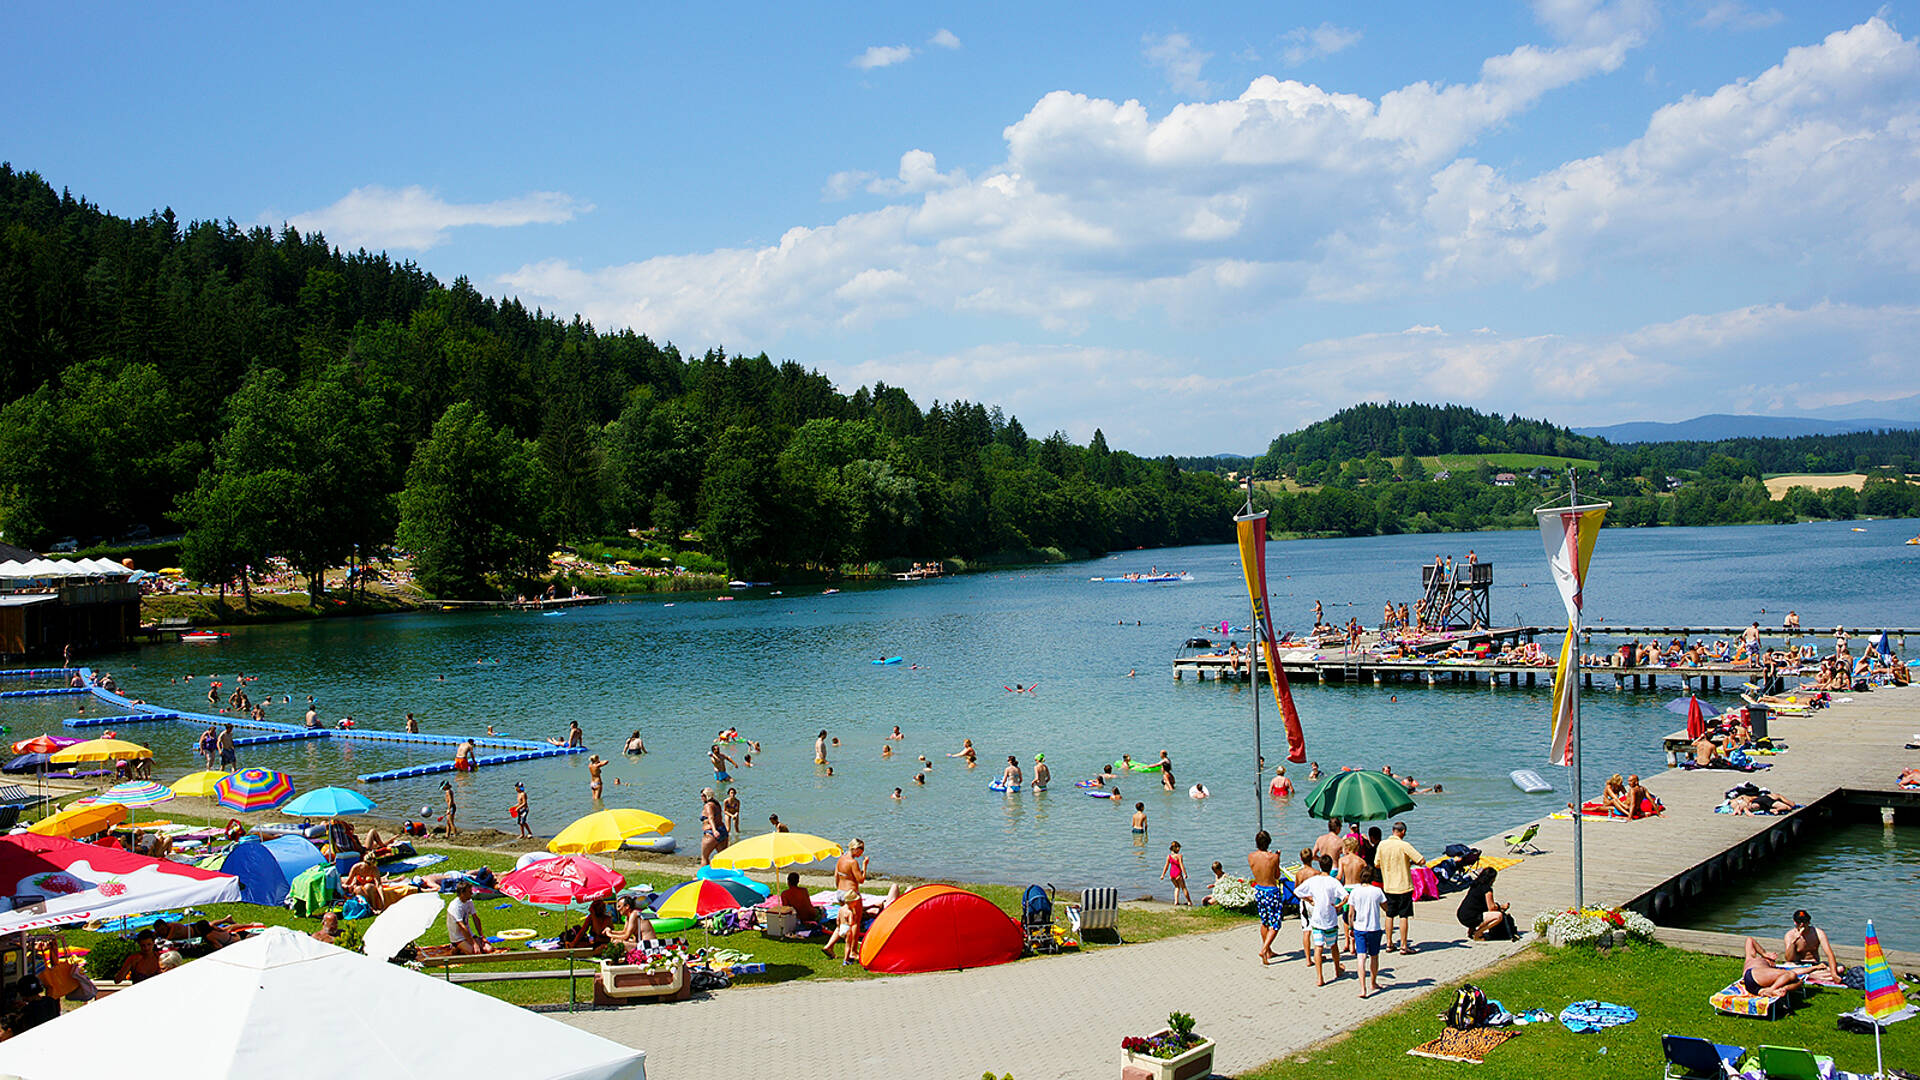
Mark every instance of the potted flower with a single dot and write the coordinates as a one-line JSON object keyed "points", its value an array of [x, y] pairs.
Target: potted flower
{"points": [[1172, 1053]]}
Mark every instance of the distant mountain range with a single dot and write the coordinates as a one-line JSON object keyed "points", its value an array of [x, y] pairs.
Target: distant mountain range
{"points": [[1716, 426]]}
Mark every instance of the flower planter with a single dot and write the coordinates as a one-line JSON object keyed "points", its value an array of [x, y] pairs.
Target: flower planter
{"points": [[620, 983], [1188, 1065]]}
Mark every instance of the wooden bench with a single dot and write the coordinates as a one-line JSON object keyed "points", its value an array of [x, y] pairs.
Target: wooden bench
{"points": [[447, 963]]}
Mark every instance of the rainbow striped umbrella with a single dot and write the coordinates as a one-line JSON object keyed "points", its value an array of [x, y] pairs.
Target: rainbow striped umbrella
{"points": [[704, 897], [135, 793], [253, 789], [1883, 993]]}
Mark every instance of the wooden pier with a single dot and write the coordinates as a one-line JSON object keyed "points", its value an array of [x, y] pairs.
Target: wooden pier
{"points": [[1839, 759], [1321, 667]]}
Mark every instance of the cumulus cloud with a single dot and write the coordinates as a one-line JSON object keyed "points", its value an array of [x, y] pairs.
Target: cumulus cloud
{"points": [[1311, 43], [415, 219], [879, 56], [944, 38], [1217, 214], [1733, 15], [1180, 61]]}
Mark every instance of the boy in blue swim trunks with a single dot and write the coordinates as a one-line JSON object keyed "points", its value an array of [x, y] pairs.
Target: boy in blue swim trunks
{"points": [[1264, 867]]}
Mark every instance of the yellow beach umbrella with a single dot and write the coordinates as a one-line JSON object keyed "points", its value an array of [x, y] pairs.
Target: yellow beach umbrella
{"points": [[197, 785], [80, 820], [100, 750], [775, 849], [607, 830]]}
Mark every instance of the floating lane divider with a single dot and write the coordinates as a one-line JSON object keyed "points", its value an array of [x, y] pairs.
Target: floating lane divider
{"points": [[48, 692], [113, 721], [479, 763], [37, 673], [279, 737]]}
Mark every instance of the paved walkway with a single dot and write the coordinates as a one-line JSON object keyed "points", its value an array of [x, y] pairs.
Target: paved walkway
{"points": [[1064, 1016], [1048, 1017]]}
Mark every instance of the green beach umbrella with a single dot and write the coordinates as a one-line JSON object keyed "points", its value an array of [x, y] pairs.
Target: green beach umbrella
{"points": [[1359, 795]]}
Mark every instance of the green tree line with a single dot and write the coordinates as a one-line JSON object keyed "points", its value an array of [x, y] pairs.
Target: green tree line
{"points": [[274, 395]]}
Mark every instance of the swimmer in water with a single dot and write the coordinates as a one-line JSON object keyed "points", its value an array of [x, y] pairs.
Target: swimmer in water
{"points": [[829, 770], [1042, 776], [886, 749], [920, 778], [896, 733], [1139, 817], [594, 783], [1199, 791], [1010, 776], [896, 794], [966, 751]]}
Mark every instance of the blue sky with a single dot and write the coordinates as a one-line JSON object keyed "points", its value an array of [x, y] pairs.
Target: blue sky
{"points": [[1193, 231]]}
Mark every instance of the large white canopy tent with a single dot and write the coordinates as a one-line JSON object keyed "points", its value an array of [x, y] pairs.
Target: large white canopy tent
{"points": [[283, 1005]]}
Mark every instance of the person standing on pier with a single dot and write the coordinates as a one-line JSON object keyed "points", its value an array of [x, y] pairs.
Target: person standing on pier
{"points": [[1396, 859]]}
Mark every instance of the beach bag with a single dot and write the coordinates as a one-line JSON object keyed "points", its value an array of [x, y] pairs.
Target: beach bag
{"points": [[1467, 855], [1469, 1009], [355, 908]]}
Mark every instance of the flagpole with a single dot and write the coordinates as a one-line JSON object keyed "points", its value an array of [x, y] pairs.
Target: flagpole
{"points": [[1259, 762], [1573, 679]]}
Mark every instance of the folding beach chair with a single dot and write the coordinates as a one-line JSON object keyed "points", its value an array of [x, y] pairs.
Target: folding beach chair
{"points": [[1098, 909], [1693, 1058], [1521, 843], [1793, 1063]]}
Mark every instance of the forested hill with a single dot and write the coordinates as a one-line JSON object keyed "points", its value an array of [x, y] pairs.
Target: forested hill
{"points": [[271, 394], [1395, 430]]}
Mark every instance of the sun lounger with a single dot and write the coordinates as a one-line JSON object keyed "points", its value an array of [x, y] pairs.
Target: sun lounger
{"points": [[1793, 1063], [1098, 909], [1522, 842], [1735, 1001], [1692, 1058]]}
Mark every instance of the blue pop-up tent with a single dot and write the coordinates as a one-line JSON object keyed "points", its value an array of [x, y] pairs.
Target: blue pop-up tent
{"points": [[261, 879], [294, 854]]}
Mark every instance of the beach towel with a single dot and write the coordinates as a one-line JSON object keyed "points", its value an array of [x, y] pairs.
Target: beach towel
{"points": [[408, 865], [1471, 1046], [1425, 885], [1735, 1001], [1584, 1016], [1814, 975]]}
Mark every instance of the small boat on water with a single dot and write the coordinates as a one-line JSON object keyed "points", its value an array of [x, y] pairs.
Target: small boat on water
{"points": [[1145, 579], [202, 637]]}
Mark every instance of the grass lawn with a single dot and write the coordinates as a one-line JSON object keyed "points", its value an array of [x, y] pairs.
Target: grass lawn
{"points": [[1668, 987], [1510, 462], [785, 960]]}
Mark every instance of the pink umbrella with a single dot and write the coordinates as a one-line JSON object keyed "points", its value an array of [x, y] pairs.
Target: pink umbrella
{"points": [[563, 881]]}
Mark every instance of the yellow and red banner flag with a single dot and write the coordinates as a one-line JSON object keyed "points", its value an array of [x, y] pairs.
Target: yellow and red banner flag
{"points": [[1569, 533], [1252, 528]]}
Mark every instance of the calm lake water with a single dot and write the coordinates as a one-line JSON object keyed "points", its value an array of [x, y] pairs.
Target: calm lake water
{"points": [[1843, 876], [781, 668]]}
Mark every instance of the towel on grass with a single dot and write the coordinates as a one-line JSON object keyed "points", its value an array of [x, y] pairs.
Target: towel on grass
{"points": [[1471, 1046], [410, 864], [1590, 1015]]}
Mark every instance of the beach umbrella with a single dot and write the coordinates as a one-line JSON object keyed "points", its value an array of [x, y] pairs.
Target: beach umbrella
{"points": [[607, 830], [25, 763], [199, 785], [1696, 719], [701, 897], [135, 793], [1884, 1000], [770, 851], [401, 924], [80, 820], [1686, 705], [1358, 795], [253, 789], [100, 750], [564, 881], [328, 802], [42, 744]]}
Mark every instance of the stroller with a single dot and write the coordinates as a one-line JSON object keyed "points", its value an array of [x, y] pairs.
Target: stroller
{"points": [[1036, 920]]}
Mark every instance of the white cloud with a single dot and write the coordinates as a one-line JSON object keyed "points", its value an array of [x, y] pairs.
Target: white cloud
{"points": [[1105, 219], [879, 56], [1734, 15], [944, 38], [415, 219], [1815, 156], [1311, 43], [1180, 61]]}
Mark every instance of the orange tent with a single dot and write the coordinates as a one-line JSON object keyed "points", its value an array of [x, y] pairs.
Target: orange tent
{"points": [[940, 928]]}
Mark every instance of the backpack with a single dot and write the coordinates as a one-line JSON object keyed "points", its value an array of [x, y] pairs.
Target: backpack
{"points": [[1469, 1009]]}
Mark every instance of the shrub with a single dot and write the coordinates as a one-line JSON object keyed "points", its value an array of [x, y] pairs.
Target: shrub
{"points": [[104, 959]]}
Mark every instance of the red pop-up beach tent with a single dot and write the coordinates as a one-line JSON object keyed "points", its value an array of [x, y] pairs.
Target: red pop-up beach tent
{"points": [[940, 928]]}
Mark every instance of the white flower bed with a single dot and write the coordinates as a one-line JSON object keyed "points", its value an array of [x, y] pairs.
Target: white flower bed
{"points": [[1232, 892], [1592, 927]]}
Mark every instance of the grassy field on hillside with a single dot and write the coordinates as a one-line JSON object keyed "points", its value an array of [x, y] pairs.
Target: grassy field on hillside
{"points": [[1511, 462]]}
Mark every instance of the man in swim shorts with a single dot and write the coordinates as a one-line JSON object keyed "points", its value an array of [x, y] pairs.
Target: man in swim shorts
{"points": [[1264, 866], [519, 811], [720, 761], [1761, 978], [1807, 943]]}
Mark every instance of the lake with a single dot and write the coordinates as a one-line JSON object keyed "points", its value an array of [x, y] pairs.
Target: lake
{"points": [[783, 667]]}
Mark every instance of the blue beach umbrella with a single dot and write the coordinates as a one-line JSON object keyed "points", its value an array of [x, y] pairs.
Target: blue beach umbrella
{"points": [[328, 802], [1684, 705]]}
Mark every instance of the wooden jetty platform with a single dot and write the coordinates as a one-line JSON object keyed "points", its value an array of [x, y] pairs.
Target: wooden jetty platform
{"points": [[1340, 666], [535, 604], [1838, 760]]}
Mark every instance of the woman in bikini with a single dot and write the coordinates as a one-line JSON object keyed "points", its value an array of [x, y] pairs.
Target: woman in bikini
{"points": [[713, 827]]}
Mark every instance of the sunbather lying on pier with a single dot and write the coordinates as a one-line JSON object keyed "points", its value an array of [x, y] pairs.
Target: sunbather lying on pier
{"points": [[1761, 804]]}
